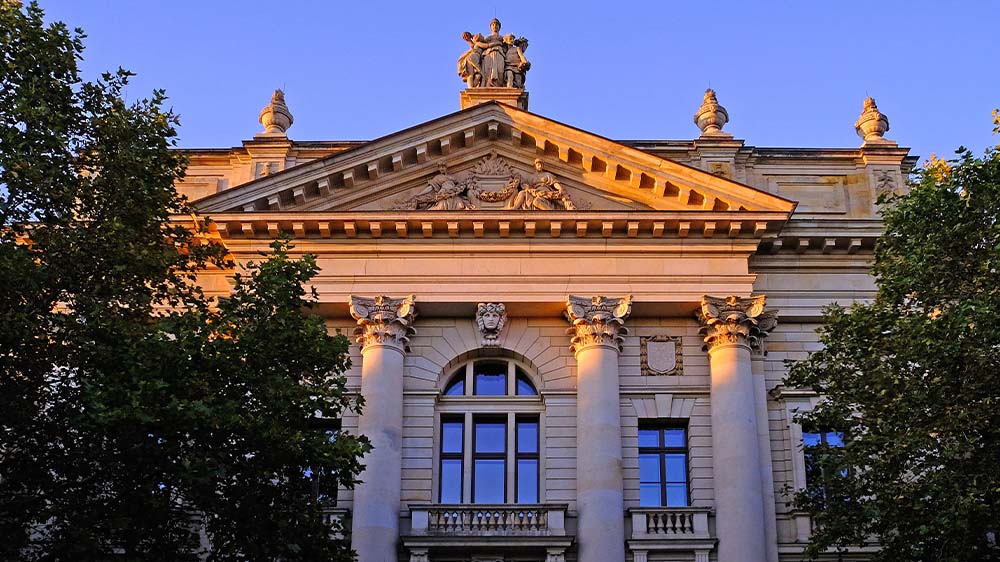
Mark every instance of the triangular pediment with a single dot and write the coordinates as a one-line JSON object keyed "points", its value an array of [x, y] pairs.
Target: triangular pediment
{"points": [[490, 154]]}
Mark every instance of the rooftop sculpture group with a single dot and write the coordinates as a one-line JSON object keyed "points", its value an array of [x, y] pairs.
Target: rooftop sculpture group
{"points": [[494, 61]]}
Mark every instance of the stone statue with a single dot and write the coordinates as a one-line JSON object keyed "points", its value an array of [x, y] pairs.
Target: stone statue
{"points": [[491, 317], [444, 192], [494, 61], [469, 64], [544, 193], [515, 64], [493, 56]]}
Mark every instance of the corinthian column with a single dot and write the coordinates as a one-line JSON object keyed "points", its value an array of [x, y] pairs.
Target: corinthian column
{"points": [[384, 328], [732, 327], [598, 327]]}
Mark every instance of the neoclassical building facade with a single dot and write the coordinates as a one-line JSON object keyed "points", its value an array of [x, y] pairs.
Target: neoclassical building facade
{"points": [[570, 347]]}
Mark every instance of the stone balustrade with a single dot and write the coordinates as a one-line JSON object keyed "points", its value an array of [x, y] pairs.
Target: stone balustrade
{"points": [[482, 520], [669, 522]]}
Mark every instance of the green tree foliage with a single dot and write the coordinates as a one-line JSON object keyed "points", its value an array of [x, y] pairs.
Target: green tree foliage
{"points": [[913, 380], [139, 419]]}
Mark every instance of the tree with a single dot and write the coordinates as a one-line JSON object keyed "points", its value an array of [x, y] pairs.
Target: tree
{"points": [[140, 419], [912, 380]]}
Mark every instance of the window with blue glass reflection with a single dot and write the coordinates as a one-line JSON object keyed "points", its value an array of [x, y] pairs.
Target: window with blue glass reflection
{"points": [[490, 379], [452, 440], [524, 386], [812, 442], [491, 456], [527, 459], [663, 465], [457, 385], [489, 460]]}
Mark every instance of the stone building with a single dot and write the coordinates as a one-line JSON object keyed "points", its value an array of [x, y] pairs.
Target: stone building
{"points": [[571, 347]]}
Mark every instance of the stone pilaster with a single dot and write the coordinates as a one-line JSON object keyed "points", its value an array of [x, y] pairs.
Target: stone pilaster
{"points": [[597, 335], [731, 327], [384, 328]]}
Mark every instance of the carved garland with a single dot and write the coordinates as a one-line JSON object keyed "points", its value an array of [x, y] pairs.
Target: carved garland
{"points": [[461, 191]]}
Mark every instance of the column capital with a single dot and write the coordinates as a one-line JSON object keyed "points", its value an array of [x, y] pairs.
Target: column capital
{"points": [[555, 555], [735, 320], [383, 320], [597, 321]]}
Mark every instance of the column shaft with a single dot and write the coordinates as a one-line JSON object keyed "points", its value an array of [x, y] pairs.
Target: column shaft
{"points": [[732, 326], [739, 495], [599, 482], [598, 327], [384, 328], [377, 498]]}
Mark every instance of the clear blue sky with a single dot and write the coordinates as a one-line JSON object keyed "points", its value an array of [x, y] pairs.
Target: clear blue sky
{"points": [[790, 73]]}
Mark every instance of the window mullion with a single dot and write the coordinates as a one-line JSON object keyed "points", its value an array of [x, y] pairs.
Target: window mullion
{"points": [[511, 379], [662, 457], [469, 380], [511, 453], [467, 468]]}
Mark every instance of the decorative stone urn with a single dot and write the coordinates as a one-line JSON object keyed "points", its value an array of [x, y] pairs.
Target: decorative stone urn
{"points": [[276, 118], [711, 116], [872, 124]]}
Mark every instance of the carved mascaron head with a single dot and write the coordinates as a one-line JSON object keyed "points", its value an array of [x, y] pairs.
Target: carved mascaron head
{"points": [[491, 316]]}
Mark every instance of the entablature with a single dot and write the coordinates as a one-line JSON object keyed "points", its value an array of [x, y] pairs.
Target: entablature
{"points": [[745, 225]]}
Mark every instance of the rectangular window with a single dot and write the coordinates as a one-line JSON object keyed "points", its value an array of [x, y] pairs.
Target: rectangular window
{"points": [[526, 468], [489, 460], [663, 465], [811, 440], [323, 490], [452, 439]]}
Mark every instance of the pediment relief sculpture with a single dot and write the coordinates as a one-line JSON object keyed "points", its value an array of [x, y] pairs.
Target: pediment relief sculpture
{"points": [[491, 184], [494, 60]]}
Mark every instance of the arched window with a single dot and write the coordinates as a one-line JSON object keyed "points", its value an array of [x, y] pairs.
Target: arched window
{"points": [[490, 377], [489, 434]]}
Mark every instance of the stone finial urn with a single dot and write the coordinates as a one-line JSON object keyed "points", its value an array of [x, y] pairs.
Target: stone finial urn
{"points": [[711, 116], [276, 118], [872, 124]]}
